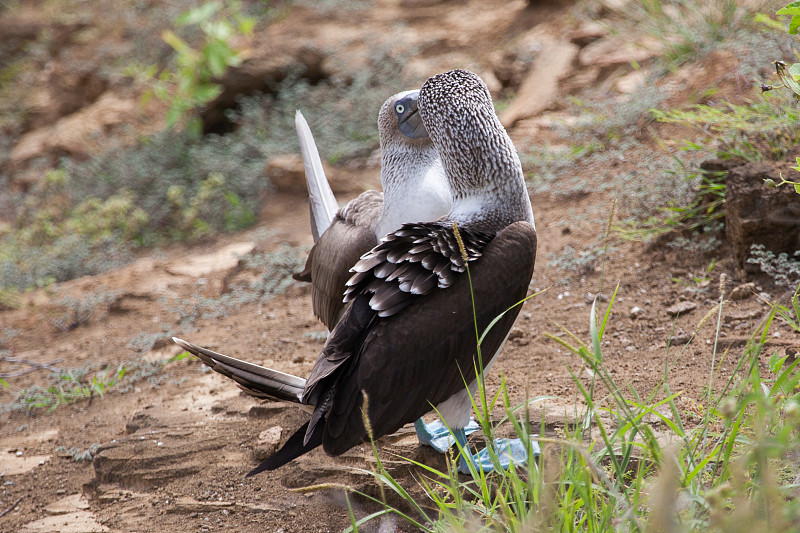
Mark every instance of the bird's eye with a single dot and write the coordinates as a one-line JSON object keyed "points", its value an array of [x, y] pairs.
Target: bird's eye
{"points": [[399, 108]]}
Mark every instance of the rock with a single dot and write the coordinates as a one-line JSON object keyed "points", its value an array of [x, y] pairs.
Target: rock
{"points": [[631, 82], [268, 441], [743, 291], [142, 420], [679, 338], [517, 336], [62, 91], [637, 312], [225, 258], [619, 51], [287, 173], [271, 64], [151, 460], [512, 64], [266, 410], [589, 297], [745, 315], [12, 464], [757, 214], [20, 28], [75, 502], [494, 85], [588, 31], [540, 88], [270, 436], [681, 308], [78, 134], [186, 505], [76, 522], [615, 5]]}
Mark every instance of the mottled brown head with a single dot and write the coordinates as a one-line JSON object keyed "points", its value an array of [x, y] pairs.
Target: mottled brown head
{"points": [[480, 161]]}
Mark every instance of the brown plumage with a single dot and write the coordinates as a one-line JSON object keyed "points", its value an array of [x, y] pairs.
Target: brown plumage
{"points": [[407, 340]]}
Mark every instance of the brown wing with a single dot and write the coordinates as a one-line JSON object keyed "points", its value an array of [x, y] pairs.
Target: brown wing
{"points": [[349, 236], [412, 360]]}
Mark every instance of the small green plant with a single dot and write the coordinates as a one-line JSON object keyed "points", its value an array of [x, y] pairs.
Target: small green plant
{"points": [[571, 260], [79, 311], [791, 315], [790, 74], [75, 384], [144, 342], [687, 28], [80, 455], [763, 130], [783, 270], [699, 282], [191, 85], [67, 386], [654, 462], [771, 183]]}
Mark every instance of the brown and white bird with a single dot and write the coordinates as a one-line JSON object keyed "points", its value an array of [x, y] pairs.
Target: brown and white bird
{"points": [[407, 340], [414, 189]]}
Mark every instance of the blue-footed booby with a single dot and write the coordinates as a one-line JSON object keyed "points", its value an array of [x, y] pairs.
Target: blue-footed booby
{"points": [[406, 343], [415, 189]]}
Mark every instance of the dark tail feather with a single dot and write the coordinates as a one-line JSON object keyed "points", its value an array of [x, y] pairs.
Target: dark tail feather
{"points": [[255, 380], [293, 449]]}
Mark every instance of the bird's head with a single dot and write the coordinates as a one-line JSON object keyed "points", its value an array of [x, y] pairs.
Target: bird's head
{"points": [[480, 161], [399, 120]]}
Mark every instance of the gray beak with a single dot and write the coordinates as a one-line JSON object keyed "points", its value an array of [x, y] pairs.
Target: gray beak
{"points": [[409, 121]]}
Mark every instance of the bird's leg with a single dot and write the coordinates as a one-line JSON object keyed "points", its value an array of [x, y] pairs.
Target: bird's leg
{"points": [[437, 436], [508, 451]]}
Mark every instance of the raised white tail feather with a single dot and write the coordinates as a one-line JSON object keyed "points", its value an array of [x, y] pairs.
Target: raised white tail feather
{"points": [[322, 202], [255, 380]]}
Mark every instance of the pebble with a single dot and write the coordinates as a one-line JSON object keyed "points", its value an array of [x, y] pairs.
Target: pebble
{"points": [[680, 339], [638, 312], [743, 291], [681, 308], [589, 298]]}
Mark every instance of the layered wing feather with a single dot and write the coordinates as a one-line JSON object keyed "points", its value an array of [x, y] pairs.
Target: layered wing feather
{"points": [[411, 262]]}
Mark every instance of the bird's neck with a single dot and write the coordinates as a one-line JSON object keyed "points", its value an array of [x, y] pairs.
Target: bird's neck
{"points": [[496, 195], [415, 189]]}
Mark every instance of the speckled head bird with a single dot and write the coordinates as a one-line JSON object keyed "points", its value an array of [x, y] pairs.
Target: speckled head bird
{"points": [[406, 342], [415, 189]]}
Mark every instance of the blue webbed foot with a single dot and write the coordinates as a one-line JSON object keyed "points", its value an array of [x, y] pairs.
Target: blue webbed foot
{"points": [[437, 436], [508, 451]]}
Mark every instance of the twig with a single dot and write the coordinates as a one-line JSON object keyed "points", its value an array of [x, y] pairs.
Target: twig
{"points": [[19, 372], [34, 364], [13, 506]]}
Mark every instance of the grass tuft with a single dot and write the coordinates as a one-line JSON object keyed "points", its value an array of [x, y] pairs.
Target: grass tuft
{"points": [[634, 462]]}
